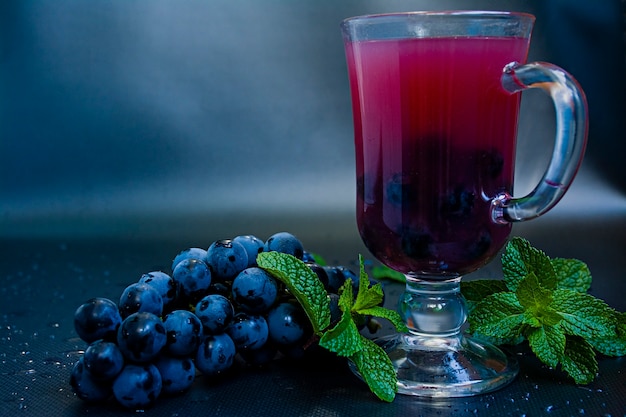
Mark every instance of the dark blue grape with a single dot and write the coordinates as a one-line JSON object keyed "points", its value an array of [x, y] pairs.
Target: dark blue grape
{"points": [[215, 312], [163, 283], [416, 243], [141, 336], [137, 386], [248, 331], [184, 332], [177, 374], [97, 319], [189, 253], [253, 246], [336, 278], [335, 311], [215, 354], [193, 278], [140, 298], [285, 242], [103, 360], [287, 323], [226, 259], [85, 386], [401, 190], [459, 203], [307, 257], [254, 290]]}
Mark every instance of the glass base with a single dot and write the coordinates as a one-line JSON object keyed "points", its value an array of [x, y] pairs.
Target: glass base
{"points": [[454, 366]]}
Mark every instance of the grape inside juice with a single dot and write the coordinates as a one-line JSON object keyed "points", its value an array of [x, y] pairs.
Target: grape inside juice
{"points": [[435, 142]]}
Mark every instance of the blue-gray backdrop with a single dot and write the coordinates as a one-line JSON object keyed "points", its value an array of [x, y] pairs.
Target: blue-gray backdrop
{"points": [[115, 115]]}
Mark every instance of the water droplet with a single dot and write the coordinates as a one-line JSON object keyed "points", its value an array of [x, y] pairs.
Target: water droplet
{"points": [[550, 408]]}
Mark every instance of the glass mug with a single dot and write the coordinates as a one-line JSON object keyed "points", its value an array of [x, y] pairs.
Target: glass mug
{"points": [[435, 123]]}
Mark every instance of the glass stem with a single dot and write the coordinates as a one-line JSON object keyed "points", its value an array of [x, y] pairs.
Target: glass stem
{"points": [[433, 307]]}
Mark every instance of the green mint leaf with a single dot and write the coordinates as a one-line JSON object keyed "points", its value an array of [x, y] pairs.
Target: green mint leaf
{"points": [[368, 298], [579, 360], [382, 272], [391, 315], [303, 284], [548, 344], [346, 296], [475, 291], [584, 315], [376, 370], [344, 339], [520, 259], [531, 295], [498, 316], [572, 274], [615, 345]]}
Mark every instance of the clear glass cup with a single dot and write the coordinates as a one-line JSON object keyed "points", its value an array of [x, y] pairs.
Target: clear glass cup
{"points": [[435, 121]]}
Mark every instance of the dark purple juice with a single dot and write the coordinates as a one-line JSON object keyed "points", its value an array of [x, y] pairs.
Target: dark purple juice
{"points": [[435, 142]]}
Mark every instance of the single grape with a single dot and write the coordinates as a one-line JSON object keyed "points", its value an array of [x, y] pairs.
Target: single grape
{"points": [[285, 242], [177, 374], [215, 312], [253, 246], [416, 243], [184, 332], [163, 283], [140, 298], [193, 278], [215, 354], [141, 337], [98, 318], [226, 259], [459, 203], [248, 331], [189, 253], [137, 386], [402, 190], [85, 386], [287, 323], [254, 290], [335, 311], [335, 278], [103, 360]]}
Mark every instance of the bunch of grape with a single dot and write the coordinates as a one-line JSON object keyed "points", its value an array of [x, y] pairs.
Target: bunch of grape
{"points": [[214, 306]]}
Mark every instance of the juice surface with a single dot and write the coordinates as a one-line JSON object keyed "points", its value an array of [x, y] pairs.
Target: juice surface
{"points": [[435, 141]]}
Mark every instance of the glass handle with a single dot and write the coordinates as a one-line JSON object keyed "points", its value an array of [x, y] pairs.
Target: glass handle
{"points": [[570, 142]]}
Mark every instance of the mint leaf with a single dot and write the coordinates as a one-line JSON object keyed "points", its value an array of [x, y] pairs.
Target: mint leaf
{"points": [[382, 272], [344, 339], [579, 360], [498, 316], [475, 291], [520, 259], [302, 282], [548, 344], [613, 345], [376, 370], [584, 315], [572, 274], [531, 295], [384, 313], [369, 297]]}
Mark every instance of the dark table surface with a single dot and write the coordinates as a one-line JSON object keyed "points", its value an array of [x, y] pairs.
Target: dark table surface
{"points": [[42, 282]]}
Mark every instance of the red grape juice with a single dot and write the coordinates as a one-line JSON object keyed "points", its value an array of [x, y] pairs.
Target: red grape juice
{"points": [[435, 142]]}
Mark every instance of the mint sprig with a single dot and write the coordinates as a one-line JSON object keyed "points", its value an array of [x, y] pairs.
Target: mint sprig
{"points": [[342, 337], [544, 300]]}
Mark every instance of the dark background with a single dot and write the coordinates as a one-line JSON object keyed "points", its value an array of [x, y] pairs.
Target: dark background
{"points": [[175, 118]]}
